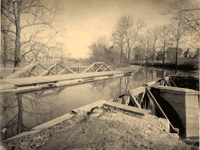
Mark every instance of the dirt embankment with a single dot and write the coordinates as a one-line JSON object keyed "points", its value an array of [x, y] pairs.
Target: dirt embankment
{"points": [[104, 129]]}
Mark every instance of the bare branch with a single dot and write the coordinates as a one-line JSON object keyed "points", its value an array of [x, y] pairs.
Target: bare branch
{"points": [[8, 31], [6, 10], [11, 20]]}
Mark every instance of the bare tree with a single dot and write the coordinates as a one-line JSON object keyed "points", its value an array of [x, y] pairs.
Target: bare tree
{"points": [[6, 36], [37, 13], [145, 41], [120, 32], [154, 34], [189, 11], [163, 41], [132, 37], [101, 49], [178, 30], [139, 53], [126, 34]]}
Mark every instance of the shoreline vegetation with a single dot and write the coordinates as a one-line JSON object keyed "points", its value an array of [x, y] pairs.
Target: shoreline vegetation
{"points": [[191, 65]]}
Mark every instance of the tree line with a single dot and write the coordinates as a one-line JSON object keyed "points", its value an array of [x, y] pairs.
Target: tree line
{"points": [[131, 39]]}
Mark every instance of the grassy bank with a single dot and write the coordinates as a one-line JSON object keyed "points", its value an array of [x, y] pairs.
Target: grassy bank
{"points": [[183, 64]]}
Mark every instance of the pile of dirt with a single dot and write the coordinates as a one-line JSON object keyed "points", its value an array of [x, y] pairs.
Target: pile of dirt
{"points": [[104, 130], [116, 130]]}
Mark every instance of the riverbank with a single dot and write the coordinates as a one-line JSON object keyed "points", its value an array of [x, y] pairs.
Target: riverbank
{"points": [[186, 65], [105, 127]]}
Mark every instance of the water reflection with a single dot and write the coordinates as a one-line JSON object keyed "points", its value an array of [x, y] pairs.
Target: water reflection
{"points": [[36, 109]]}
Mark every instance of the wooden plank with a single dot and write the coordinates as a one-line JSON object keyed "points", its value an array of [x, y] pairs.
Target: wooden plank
{"points": [[50, 85], [55, 78], [16, 74], [53, 122], [27, 133], [128, 108], [137, 91], [150, 83], [87, 108]]}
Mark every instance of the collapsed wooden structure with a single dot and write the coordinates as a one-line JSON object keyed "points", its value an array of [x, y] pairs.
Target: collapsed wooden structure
{"points": [[174, 98], [26, 80], [163, 97]]}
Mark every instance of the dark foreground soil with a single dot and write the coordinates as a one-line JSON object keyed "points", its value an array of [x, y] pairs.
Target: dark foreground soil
{"points": [[104, 130]]}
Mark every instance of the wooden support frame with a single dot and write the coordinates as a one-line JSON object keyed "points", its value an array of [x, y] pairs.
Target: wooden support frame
{"points": [[159, 108], [16, 74], [134, 101], [98, 65]]}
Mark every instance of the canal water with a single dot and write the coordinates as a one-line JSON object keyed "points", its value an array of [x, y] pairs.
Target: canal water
{"points": [[54, 103]]}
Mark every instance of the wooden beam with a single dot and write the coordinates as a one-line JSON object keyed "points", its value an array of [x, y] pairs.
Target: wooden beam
{"points": [[99, 68], [31, 70], [61, 71], [49, 82], [142, 98], [89, 107], [159, 108], [87, 69], [139, 111], [137, 91], [93, 64], [172, 82], [63, 77], [30, 73], [16, 74], [92, 69], [48, 70], [134, 101], [66, 68], [107, 67]]}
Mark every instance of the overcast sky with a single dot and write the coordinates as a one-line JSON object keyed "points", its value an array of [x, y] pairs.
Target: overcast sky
{"points": [[84, 20]]}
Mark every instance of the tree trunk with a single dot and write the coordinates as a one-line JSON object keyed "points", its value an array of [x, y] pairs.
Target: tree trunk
{"points": [[121, 55], [164, 47], [126, 57], [163, 54], [129, 57], [4, 57], [176, 62], [153, 58], [20, 115], [17, 38]]}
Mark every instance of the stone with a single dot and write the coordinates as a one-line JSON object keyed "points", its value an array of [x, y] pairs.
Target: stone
{"points": [[174, 135], [165, 122]]}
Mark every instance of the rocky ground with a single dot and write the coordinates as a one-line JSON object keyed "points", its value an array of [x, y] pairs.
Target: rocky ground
{"points": [[104, 129]]}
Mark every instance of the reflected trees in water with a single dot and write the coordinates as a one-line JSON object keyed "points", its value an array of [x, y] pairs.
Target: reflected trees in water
{"points": [[115, 86], [23, 111]]}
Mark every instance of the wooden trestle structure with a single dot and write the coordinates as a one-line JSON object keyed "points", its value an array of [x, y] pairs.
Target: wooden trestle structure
{"points": [[30, 79]]}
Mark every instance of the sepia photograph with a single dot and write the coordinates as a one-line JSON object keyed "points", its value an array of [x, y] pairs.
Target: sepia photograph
{"points": [[99, 74]]}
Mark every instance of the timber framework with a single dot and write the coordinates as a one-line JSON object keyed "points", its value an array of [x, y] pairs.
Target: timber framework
{"points": [[37, 78]]}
